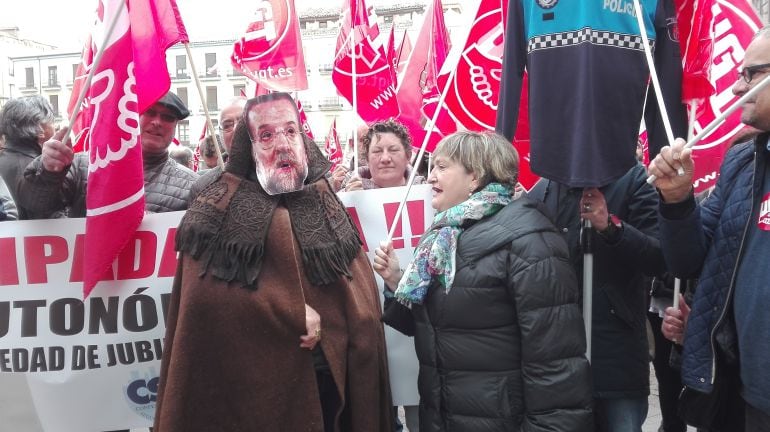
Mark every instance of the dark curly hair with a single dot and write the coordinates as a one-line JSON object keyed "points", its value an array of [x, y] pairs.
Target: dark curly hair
{"points": [[389, 126]]}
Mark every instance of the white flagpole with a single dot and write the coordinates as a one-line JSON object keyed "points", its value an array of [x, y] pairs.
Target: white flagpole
{"points": [[94, 66], [653, 73], [693, 104], [718, 121], [355, 96], [429, 131], [209, 124]]}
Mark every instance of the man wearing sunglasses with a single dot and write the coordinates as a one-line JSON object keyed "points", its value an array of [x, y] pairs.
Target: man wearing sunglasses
{"points": [[56, 180], [725, 242], [229, 117]]}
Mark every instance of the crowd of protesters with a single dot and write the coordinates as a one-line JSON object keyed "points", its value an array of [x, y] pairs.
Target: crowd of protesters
{"points": [[492, 296]]}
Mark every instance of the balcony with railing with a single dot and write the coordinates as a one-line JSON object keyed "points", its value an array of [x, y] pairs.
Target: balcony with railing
{"points": [[52, 85], [330, 104]]}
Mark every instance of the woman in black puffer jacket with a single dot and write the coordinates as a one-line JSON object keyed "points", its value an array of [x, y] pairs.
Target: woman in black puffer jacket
{"points": [[492, 301]]}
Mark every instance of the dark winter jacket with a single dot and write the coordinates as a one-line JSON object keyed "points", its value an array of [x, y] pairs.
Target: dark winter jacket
{"points": [[707, 241], [13, 159], [504, 349], [7, 206], [166, 186], [619, 351]]}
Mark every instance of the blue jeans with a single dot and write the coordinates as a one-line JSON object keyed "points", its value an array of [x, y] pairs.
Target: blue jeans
{"points": [[620, 415]]}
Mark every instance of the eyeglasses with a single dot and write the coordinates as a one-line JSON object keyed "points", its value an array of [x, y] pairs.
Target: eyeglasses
{"points": [[266, 137], [168, 118], [748, 72], [227, 126]]}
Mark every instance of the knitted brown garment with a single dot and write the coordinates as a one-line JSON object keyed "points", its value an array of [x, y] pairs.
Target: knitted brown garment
{"points": [[226, 225]]}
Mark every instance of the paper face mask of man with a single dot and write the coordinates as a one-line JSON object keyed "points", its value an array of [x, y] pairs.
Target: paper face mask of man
{"points": [[277, 145]]}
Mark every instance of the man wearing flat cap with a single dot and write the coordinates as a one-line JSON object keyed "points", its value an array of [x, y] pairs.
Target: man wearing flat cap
{"points": [[274, 317], [56, 180]]}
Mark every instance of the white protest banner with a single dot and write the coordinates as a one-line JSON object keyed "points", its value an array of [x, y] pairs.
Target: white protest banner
{"points": [[91, 364], [373, 212]]}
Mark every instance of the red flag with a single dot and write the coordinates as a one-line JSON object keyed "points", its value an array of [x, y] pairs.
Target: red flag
{"points": [[735, 23], [376, 93], [418, 92], [332, 146], [260, 90], [132, 75], [270, 52], [82, 124], [303, 121], [197, 157], [391, 54], [471, 100], [418, 87], [402, 53], [695, 22]]}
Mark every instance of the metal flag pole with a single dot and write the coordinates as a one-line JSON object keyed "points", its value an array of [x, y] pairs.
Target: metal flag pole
{"points": [[209, 124], [355, 97], [718, 121], [653, 73], [588, 282], [420, 154], [693, 104], [94, 66]]}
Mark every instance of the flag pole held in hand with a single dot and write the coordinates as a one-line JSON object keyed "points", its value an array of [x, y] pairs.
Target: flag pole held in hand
{"points": [[90, 76], [653, 73], [718, 121], [420, 154]]}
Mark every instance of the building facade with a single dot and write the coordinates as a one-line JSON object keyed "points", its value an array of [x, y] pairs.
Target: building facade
{"points": [[12, 45], [51, 74]]}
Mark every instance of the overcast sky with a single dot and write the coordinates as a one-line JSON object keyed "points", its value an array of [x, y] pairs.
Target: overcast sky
{"points": [[66, 23]]}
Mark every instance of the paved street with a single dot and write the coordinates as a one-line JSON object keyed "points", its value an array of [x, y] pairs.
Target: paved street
{"points": [[17, 413]]}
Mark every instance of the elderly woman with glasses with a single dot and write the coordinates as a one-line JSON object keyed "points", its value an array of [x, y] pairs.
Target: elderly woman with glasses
{"points": [[491, 300]]}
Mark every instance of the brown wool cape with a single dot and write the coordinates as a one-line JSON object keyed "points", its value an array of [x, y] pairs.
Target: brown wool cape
{"points": [[232, 360]]}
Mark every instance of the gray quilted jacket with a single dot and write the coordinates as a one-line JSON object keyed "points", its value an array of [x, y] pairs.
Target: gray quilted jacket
{"points": [[166, 186]]}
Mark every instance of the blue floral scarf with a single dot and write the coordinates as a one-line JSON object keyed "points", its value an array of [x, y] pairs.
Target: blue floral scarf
{"points": [[435, 256]]}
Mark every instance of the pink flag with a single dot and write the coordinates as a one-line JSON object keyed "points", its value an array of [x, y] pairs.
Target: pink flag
{"points": [[303, 121], [82, 124], [132, 75], [735, 23], [402, 53], [471, 101], [376, 93], [418, 92], [418, 87], [332, 146], [391, 54], [270, 52], [695, 22]]}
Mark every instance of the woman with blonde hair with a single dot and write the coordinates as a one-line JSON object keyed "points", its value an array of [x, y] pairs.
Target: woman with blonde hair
{"points": [[491, 300]]}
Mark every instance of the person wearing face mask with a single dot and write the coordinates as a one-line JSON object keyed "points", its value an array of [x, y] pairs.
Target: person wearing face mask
{"points": [[491, 300], [26, 122], [56, 180], [274, 308]]}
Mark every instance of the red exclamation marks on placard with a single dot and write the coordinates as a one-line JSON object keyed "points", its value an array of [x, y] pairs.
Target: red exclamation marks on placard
{"points": [[415, 210], [9, 273], [357, 222]]}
